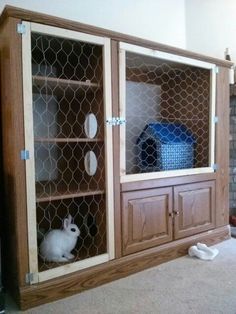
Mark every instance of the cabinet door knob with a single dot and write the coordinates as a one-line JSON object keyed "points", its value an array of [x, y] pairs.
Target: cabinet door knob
{"points": [[176, 213], [171, 215]]}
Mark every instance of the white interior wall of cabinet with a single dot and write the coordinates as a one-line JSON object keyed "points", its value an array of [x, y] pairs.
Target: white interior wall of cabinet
{"points": [[158, 20]]}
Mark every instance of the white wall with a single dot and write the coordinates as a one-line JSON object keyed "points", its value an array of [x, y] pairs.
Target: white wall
{"points": [[211, 27], [203, 26], [159, 20]]}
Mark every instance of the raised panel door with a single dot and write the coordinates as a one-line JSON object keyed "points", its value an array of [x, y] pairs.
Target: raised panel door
{"points": [[194, 208], [146, 219]]}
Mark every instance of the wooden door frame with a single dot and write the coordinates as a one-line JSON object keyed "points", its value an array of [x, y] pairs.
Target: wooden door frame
{"points": [[29, 145], [126, 47]]}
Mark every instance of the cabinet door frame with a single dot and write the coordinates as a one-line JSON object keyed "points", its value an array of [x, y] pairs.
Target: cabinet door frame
{"points": [[125, 47], [178, 211], [29, 146], [132, 214]]}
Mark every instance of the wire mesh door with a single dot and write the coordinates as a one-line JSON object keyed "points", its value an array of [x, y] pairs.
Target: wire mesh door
{"points": [[70, 151], [168, 106]]}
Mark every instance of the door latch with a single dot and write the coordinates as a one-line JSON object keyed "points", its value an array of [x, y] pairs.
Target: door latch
{"points": [[115, 121]]}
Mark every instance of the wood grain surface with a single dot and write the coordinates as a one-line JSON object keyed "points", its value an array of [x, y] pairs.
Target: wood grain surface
{"points": [[222, 147], [116, 146], [194, 208], [146, 219], [15, 250]]}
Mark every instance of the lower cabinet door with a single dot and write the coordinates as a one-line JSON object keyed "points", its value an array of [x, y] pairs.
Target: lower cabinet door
{"points": [[146, 219], [194, 208]]}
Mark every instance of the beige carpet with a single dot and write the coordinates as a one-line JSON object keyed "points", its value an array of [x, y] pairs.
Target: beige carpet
{"points": [[185, 285]]}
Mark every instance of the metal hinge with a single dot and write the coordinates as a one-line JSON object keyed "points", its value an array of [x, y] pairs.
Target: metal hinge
{"points": [[115, 121], [216, 70], [215, 167], [21, 29], [216, 119], [31, 278], [24, 155], [120, 121]]}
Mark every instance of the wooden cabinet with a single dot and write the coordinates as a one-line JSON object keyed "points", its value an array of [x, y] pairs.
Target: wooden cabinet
{"points": [[121, 133], [149, 217]]}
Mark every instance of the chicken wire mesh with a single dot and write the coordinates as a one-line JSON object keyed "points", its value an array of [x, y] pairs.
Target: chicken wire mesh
{"points": [[88, 214], [167, 115], [69, 141]]}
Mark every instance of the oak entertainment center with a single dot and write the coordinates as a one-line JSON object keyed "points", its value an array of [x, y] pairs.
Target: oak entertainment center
{"points": [[128, 136]]}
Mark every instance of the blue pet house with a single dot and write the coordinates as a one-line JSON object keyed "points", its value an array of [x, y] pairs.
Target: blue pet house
{"points": [[165, 146]]}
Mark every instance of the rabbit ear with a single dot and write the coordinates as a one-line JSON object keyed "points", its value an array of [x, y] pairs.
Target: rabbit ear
{"points": [[69, 218], [66, 223]]}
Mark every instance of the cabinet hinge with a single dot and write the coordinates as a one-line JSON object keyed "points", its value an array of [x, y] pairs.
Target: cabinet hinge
{"points": [[21, 29], [31, 278], [115, 121], [216, 119], [215, 167], [216, 70], [24, 155]]}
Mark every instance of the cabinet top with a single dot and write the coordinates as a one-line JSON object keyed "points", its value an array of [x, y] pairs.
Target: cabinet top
{"points": [[26, 15]]}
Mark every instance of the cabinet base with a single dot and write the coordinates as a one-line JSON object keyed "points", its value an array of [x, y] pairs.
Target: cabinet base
{"points": [[68, 285]]}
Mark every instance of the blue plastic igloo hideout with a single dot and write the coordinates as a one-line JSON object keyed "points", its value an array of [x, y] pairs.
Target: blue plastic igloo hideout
{"points": [[165, 146]]}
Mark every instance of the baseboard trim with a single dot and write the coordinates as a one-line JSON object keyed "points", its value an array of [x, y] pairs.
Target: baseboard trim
{"points": [[68, 285]]}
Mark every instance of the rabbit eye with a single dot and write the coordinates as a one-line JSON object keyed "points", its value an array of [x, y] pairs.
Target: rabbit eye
{"points": [[73, 229]]}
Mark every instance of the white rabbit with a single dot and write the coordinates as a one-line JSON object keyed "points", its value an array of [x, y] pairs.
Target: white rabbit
{"points": [[58, 244]]}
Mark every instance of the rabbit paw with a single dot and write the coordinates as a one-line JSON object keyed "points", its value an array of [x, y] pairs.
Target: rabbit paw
{"points": [[69, 255], [58, 259]]}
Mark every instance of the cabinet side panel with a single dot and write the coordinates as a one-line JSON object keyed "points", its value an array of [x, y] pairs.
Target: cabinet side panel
{"points": [[15, 233], [222, 147]]}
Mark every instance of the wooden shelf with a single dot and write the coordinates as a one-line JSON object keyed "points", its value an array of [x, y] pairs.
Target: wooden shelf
{"points": [[72, 194], [79, 256], [67, 140], [44, 81]]}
